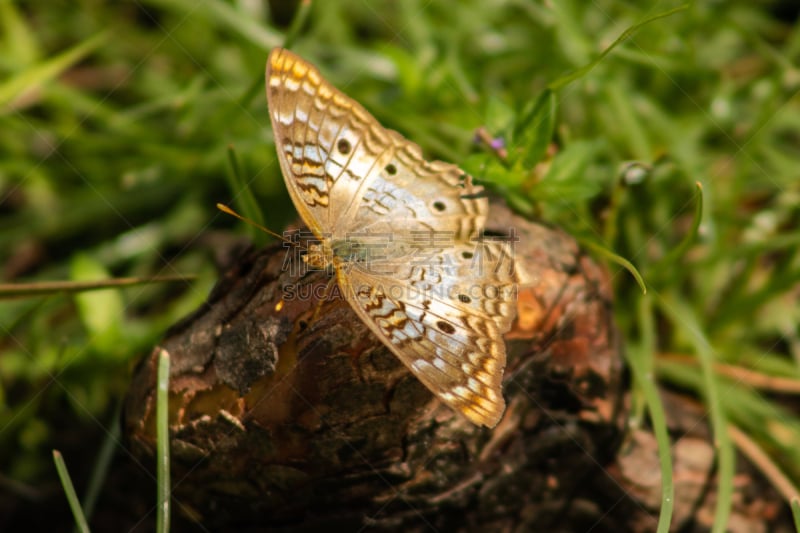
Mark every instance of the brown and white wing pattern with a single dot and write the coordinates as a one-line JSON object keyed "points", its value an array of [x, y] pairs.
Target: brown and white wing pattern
{"points": [[404, 233], [444, 320]]}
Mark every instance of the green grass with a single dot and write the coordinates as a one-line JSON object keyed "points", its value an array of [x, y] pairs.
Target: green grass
{"points": [[122, 124]]}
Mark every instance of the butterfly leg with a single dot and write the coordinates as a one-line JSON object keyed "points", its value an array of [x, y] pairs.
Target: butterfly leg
{"points": [[321, 302]]}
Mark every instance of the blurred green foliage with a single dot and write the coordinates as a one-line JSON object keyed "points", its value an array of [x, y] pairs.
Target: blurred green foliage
{"points": [[119, 122]]}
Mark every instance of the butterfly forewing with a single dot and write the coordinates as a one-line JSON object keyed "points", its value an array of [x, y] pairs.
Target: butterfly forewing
{"points": [[323, 139], [405, 236]]}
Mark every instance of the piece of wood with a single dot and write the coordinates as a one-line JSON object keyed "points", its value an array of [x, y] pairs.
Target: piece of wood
{"points": [[280, 421]]}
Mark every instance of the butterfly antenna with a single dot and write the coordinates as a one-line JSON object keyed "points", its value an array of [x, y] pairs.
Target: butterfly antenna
{"points": [[225, 209]]}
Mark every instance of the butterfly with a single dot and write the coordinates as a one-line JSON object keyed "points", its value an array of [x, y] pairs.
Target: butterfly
{"points": [[403, 235]]}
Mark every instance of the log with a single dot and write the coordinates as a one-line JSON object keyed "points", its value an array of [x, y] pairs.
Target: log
{"points": [[283, 420]]}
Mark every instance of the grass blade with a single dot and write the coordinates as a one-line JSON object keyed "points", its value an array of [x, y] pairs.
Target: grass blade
{"points": [[569, 78], [162, 443], [37, 75], [684, 318], [618, 259], [69, 491], [640, 357], [43, 288], [691, 237], [299, 19], [101, 466], [245, 199], [226, 16]]}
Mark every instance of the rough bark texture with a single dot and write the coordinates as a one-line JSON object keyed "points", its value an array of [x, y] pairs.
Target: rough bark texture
{"points": [[280, 421]]}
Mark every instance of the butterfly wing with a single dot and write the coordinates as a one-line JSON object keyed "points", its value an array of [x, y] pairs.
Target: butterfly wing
{"points": [[444, 319], [345, 172], [327, 144]]}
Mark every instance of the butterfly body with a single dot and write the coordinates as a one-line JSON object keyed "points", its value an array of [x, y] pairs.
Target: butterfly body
{"points": [[403, 235]]}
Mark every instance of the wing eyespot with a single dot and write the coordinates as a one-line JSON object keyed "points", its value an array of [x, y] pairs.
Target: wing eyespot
{"points": [[445, 327], [343, 145], [464, 298], [390, 169], [439, 206]]}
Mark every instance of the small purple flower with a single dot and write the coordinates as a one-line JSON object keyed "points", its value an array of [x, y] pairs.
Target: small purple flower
{"points": [[498, 143]]}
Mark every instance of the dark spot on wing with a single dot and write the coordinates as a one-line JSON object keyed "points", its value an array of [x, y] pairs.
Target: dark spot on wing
{"points": [[445, 327]]}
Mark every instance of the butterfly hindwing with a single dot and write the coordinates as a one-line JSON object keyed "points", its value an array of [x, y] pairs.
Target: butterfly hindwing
{"points": [[461, 364]]}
